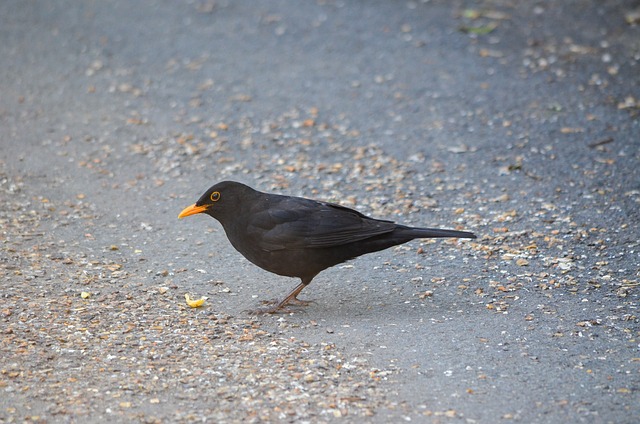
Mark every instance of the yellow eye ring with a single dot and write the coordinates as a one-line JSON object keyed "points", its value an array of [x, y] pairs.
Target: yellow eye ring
{"points": [[215, 196]]}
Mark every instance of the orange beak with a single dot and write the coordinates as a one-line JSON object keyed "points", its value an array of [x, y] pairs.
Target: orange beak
{"points": [[192, 210]]}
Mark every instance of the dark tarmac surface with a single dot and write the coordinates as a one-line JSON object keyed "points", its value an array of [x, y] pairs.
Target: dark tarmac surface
{"points": [[518, 121]]}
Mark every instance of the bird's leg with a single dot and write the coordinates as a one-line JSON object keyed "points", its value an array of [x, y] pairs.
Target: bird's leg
{"points": [[292, 298]]}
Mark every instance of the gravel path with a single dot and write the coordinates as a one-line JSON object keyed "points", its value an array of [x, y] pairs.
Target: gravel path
{"points": [[515, 120]]}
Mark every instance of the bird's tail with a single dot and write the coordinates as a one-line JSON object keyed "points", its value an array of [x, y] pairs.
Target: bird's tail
{"points": [[436, 232]]}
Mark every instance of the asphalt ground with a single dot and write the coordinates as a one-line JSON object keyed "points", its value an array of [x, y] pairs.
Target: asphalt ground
{"points": [[515, 120]]}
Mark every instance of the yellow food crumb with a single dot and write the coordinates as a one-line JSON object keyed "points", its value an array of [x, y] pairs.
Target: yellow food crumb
{"points": [[194, 303]]}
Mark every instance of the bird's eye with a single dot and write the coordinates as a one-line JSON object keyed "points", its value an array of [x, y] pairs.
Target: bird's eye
{"points": [[215, 196]]}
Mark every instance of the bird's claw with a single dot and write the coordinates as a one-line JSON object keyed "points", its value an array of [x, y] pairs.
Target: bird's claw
{"points": [[298, 302], [277, 307]]}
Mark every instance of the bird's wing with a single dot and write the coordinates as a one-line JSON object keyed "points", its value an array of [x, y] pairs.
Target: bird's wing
{"points": [[303, 223]]}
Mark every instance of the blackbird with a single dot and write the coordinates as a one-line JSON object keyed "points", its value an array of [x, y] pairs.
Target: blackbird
{"points": [[298, 237]]}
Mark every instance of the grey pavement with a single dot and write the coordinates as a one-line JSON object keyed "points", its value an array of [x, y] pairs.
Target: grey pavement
{"points": [[516, 120]]}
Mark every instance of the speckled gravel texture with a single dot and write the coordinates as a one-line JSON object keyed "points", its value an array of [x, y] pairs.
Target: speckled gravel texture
{"points": [[516, 120]]}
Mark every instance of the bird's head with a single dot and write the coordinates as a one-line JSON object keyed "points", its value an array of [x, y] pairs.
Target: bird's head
{"points": [[219, 200]]}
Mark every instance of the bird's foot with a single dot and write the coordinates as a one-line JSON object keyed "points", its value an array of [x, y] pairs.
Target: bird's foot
{"points": [[277, 307], [298, 302]]}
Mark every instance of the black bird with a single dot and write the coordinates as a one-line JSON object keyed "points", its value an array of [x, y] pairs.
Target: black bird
{"points": [[298, 237]]}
